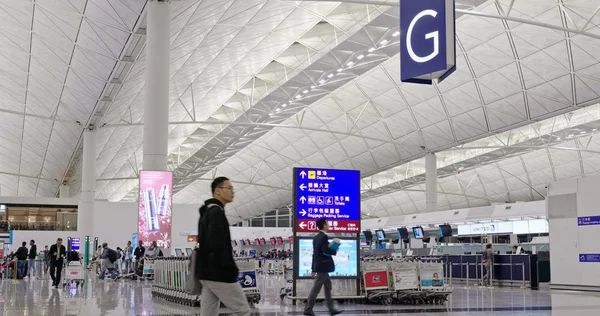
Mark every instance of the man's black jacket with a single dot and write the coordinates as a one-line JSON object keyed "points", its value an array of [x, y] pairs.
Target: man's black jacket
{"points": [[322, 260], [215, 256], [32, 252]]}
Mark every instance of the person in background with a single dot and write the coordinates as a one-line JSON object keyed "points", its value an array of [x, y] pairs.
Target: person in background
{"points": [[515, 249], [488, 263], [120, 258], [215, 267], [21, 255], [322, 265], [139, 251], [128, 256], [107, 264], [46, 259], [57, 255], [31, 259], [155, 251]]}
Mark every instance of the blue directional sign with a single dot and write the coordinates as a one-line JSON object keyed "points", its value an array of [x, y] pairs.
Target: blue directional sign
{"points": [[327, 193], [587, 257], [427, 40], [588, 220]]}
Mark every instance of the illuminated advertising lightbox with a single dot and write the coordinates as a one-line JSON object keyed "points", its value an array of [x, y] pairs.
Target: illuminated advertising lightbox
{"points": [[154, 217], [75, 244], [346, 260]]}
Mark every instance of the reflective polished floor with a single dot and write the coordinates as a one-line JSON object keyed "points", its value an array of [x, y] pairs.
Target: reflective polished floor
{"points": [[130, 298]]}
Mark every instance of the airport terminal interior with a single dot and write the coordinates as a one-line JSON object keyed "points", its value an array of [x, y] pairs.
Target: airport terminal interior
{"points": [[449, 149]]}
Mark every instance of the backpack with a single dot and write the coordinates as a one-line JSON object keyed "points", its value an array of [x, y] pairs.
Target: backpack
{"points": [[112, 255]]}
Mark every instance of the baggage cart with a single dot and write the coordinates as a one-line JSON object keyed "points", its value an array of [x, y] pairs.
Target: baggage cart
{"points": [[248, 280], [376, 281]]}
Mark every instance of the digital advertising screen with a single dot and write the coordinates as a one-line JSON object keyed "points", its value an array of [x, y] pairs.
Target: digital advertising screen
{"points": [[380, 234], [402, 233], [75, 244], [154, 216], [291, 240], [346, 260]]}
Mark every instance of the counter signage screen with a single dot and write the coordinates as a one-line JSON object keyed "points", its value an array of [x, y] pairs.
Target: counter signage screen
{"points": [[346, 260], [257, 242], [279, 241], [263, 242], [327, 193], [75, 244], [418, 231], [272, 240], [154, 216], [380, 234]]}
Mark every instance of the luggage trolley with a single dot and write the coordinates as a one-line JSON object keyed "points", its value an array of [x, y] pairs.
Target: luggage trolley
{"points": [[247, 279], [406, 280], [432, 281], [73, 272], [170, 281], [376, 282]]}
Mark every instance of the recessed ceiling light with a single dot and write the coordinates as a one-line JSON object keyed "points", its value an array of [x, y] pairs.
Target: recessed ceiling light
{"points": [[322, 81], [557, 138], [384, 42], [298, 96], [277, 110], [270, 114], [396, 33], [312, 87], [283, 105], [350, 63], [372, 49], [582, 132], [329, 75], [340, 70], [305, 91], [360, 57]]}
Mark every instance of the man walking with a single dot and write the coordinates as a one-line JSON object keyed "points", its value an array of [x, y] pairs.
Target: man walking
{"points": [[215, 267], [322, 265], [31, 259], [57, 255]]}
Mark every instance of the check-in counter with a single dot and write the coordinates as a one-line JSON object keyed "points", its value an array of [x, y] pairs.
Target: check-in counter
{"points": [[510, 270]]}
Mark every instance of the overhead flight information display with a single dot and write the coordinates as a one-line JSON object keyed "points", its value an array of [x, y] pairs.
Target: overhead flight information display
{"points": [[327, 193]]}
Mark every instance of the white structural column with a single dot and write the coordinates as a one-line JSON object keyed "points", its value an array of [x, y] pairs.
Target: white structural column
{"points": [[64, 191], [156, 107], [85, 212], [431, 182]]}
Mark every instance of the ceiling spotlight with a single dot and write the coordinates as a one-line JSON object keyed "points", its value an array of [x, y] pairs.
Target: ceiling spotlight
{"points": [[277, 110], [396, 34], [322, 81], [582, 132], [360, 57], [284, 105], [372, 49], [312, 87], [340, 70], [350, 63], [298, 96], [557, 138], [270, 114], [329, 75], [383, 42], [305, 91]]}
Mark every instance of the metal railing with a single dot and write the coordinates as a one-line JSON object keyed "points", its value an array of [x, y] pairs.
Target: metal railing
{"points": [[482, 274]]}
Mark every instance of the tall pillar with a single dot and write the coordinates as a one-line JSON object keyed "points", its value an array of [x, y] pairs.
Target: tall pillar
{"points": [[85, 212], [156, 106], [431, 182], [64, 191]]}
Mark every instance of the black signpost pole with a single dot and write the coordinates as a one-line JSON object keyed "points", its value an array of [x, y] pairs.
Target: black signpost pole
{"points": [[294, 233]]}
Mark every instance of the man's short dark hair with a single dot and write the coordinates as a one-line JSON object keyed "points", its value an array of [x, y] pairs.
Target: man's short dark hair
{"points": [[59, 239], [33, 241], [321, 222], [217, 183], [24, 243]]}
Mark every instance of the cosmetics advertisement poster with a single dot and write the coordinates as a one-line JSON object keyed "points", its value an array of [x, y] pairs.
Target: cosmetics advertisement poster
{"points": [[154, 217]]}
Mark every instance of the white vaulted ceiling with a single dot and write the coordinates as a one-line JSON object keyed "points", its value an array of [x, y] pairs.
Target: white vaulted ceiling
{"points": [[261, 86]]}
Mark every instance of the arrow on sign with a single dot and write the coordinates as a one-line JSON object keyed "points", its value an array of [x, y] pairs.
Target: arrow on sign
{"points": [[302, 225], [302, 199], [303, 212], [303, 174], [302, 187]]}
